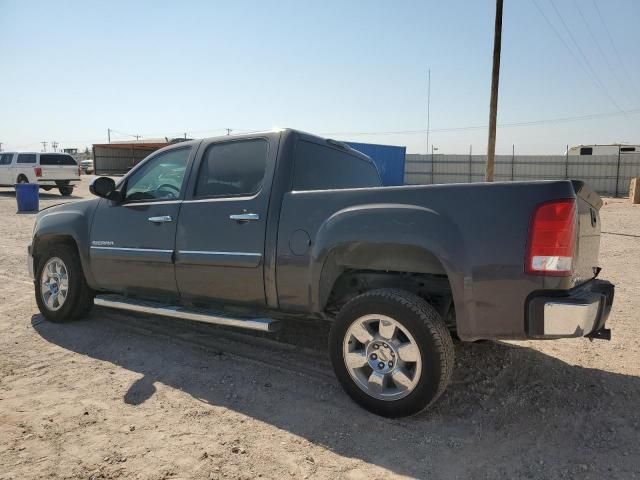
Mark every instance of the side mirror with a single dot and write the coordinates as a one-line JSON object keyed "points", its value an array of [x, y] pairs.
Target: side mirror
{"points": [[105, 187]]}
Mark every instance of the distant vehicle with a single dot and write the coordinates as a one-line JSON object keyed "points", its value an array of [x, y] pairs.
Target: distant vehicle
{"points": [[612, 149], [49, 170], [86, 166], [244, 231]]}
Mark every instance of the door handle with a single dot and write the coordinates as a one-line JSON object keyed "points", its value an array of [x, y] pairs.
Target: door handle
{"points": [[161, 219], [245, 217]]}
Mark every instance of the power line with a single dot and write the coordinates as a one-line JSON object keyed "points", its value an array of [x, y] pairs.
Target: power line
{"points": [[530, 123], [570, 50], [615, 49], [600, 49]]}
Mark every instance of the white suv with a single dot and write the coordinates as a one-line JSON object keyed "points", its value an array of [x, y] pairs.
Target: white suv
{"points": [[49, 170]]}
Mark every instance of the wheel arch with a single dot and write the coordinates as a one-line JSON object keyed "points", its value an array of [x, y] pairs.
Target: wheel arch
{"points": [[396, 240]]}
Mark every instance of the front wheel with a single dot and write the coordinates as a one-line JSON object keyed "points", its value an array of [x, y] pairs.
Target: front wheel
{"points": [[66, 191], [62, 293], [391, 352]]}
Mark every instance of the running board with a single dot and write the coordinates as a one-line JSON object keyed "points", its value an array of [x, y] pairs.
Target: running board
{"points": [[199, 315]]}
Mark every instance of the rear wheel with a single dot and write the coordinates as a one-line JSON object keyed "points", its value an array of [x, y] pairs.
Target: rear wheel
{"points": [[62, 293], [66, 191], [391, 352], [23, 179]]}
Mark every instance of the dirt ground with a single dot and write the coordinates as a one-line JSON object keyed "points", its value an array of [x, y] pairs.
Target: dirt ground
{"points": [[123, 396]]}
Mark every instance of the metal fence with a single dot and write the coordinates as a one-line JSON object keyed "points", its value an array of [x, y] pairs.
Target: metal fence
{"points": [[607, 174]]}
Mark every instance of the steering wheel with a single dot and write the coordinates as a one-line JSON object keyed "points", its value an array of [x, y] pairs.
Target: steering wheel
{"points": [[171, 187]]}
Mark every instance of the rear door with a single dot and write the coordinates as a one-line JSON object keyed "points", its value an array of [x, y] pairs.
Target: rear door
{"points": [[23, 166], [58, 166], [132, 242], [220, 242]]}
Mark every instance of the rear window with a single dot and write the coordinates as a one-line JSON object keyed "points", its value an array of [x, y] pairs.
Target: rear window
{"points": [[627, 149], [51, 159], [320, 167], [27, 158]]}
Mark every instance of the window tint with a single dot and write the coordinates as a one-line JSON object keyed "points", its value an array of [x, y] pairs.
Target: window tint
{"points": [[232, 168], [586, 151], [319, 167], [160, 178], [5, 158], [53, 159], [27, 158]]}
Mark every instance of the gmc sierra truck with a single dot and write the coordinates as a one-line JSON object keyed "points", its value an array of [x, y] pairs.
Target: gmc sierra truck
{"points": [[245, 231]]}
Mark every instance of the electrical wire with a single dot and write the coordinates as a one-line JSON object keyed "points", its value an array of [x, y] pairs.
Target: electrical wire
{"points": [[570, 50], [616, 51]]}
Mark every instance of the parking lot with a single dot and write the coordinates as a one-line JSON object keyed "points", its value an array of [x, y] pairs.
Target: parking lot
{"points": [[126, 396]]}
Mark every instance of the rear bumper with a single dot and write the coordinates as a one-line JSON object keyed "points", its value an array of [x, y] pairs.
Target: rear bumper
{"points": [[43, 182], [580, 312]]}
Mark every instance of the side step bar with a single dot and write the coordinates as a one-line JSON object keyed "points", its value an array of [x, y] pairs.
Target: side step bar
{"points": [[155, 308]]}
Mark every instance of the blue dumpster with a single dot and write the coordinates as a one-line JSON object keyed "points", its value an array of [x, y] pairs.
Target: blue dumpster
{"points": [[27, 195]]}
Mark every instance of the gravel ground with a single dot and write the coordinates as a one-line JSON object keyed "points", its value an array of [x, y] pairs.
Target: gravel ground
{"points": [[123, 396]]}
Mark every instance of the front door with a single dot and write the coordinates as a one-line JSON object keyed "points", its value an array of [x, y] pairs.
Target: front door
{"points": [[221, 230], [5, 169], [132, 241]]}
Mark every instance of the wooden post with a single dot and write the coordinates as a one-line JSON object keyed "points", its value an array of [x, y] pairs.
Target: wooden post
{"points": [[618, 173], [493, 108]]}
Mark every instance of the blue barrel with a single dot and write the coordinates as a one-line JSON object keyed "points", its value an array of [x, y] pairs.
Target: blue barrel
{"points": [[27, 195]]}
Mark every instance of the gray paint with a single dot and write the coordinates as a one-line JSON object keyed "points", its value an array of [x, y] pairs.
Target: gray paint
{"points": [[476, 234]]}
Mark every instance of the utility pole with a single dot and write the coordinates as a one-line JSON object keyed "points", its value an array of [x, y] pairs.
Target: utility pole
{"points": [[228, 131], [428, 105], [44, 146], [493, 108], [137, 137], [54, 145], [0, 146], [109, 134], [185, 135]]}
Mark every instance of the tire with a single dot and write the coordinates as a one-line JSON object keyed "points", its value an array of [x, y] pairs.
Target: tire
{"points": [[22, 179], [79, 297], [414, 365], [46, 189], [66, 191]]}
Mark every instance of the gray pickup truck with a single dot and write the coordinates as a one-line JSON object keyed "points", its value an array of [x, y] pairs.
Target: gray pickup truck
{"points": [[245, 231]]}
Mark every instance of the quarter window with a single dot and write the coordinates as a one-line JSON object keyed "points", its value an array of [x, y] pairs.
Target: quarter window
{"points": [[232, 168], [160, 178]]}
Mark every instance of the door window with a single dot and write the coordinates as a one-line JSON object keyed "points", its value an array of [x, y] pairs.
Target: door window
{"points": [[232, 169], [27, 158], [160, 178], [5, 158]]}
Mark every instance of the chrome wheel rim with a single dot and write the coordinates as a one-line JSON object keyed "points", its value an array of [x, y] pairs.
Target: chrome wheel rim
{"points": [[54, 284], [382, 357]]}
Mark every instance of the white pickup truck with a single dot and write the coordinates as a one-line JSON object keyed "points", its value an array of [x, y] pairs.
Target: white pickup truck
{"points": [[49, 170]]}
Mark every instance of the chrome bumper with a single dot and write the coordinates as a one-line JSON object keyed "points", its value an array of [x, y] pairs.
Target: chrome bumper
{"points": [[578, 313]]}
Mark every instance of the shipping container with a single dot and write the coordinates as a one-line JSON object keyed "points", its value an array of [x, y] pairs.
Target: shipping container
{"points": [[388, 158]]}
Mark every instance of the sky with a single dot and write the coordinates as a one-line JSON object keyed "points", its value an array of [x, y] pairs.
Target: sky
{"points": [[350, 70]]}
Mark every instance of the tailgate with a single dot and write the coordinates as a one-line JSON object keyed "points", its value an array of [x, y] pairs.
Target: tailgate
{"points": [[58, 167], [588, 247]]}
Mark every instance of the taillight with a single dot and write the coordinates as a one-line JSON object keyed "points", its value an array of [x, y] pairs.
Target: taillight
{"points": [[37, 171], [552, 238]]}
